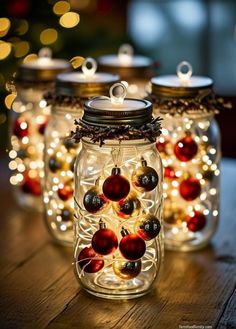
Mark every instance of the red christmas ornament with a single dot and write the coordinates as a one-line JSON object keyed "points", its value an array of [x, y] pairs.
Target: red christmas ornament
{"points": [[185, 149], [104, 241], [87, 261], [20, 128], [131, 246], [148, 227], [42, 126], [190, 188], [31, 185], [169, 172], [116, 187], [145, 178], [18, 8], [66, 192], [196, 222], [161, 146], [95, 201]]}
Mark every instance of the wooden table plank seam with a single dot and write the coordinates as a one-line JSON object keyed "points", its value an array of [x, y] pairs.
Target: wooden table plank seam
{"points": [[26, 260], [222, 316], [67, 305], [57, 279]]}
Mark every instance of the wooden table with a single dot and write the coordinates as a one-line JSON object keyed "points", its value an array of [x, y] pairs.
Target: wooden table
{"points": [[39, 290]]}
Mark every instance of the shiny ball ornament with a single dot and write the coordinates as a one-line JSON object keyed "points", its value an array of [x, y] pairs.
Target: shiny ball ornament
{"points": [[69, 143], [31, 185], [20, 128], [42, 126], [207, 172], [127, 270], [22, 154], [104, 241], [131, 246], [144, 178], [173, 214], [127, 207], [185, 149], [190, 189], [148, 227], [72, 164], [161, 146], [94, 201], [196, 222], [54, 164], [116, 186], [169, 172], [88, 263], [65, 215], [65, 192]]}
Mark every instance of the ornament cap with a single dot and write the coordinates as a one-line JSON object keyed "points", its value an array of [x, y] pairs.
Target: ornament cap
{"points": [[116, 171], [102, 225], [124, 231], [143, 162]]}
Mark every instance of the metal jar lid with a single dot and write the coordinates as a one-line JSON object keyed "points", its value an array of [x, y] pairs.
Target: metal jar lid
{"points": [[181, 85], [117, 110], [85, 84], [126, 64], [42, 70]]}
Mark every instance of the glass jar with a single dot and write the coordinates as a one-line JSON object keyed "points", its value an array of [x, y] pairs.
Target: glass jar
{"points": [[118, 199], [190, 150], [29, 117], [72, 89], [134, 69]]}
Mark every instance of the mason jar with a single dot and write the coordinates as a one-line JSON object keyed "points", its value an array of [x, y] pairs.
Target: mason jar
{"points": [[72, 89], [29, 117], [136, 70], [118, 247], [191, 153]]}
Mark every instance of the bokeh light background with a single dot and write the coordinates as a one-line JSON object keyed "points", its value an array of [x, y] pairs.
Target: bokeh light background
{"points": [[200, 31]]}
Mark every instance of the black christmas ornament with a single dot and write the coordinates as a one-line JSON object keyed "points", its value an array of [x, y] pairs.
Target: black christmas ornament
{"points": [[72, 164], [127, 207], [54, 164], [65, 214], [69, 143], [144, 178], [94, 200], [127, 270], [148, 227]]}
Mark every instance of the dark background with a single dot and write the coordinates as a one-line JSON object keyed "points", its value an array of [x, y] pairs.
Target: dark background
{"points": [[200, 31]]}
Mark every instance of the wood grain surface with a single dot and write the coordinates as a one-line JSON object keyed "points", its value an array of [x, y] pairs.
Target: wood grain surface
{"points": [[38, 288]]}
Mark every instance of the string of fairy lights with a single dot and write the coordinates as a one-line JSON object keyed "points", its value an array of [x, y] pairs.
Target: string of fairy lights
{"points": [[191, 184]]}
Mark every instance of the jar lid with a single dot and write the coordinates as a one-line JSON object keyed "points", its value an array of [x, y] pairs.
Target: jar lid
{"points": [[85, 84], [115, 111], [180, 85], [117, 118], [126, 64], [101, 112], [43, 69]]}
